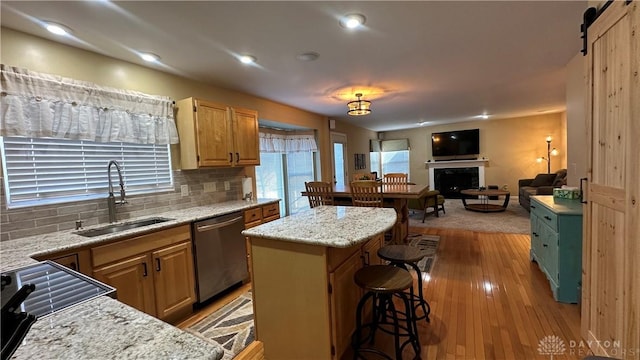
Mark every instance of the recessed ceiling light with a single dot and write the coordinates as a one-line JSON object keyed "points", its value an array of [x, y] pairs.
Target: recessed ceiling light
{"points": [[423, 123], [150, 57], [247, 59], [57, 28], [308, 56], [483, 116], [352, 21]]}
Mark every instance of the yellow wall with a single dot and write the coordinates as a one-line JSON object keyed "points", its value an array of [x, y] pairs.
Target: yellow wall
{"points": [[511, 145], [38, 54], [577, 122], [357, 143]]}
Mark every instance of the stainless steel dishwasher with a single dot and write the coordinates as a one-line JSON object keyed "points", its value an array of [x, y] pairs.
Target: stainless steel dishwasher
{"points": [[220, 254]]}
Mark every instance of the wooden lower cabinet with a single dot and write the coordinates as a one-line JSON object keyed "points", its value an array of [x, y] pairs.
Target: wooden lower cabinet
{"points": [[343, 300], [152, 273], [370, 251], [132, 280], [258, 216], [78, 260], [172, 266], [320, 290]]}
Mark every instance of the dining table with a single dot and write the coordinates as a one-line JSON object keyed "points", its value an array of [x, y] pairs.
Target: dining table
{"points": [[394, 195]]}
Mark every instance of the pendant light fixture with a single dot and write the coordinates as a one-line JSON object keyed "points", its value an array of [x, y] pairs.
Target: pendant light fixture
{"points": [[359, 107]]}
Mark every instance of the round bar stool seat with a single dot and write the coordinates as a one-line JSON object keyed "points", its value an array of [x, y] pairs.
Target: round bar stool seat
{"points": [[383, 280], [381, 283], [403, 255]]}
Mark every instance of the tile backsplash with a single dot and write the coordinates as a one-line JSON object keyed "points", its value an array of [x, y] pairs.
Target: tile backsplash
{"points": [[23, 222]]}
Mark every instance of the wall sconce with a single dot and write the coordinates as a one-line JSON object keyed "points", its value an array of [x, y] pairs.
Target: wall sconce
{"points": [[550, 152]]}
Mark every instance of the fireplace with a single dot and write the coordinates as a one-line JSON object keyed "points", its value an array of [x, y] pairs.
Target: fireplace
{"points": [[449, 177], [449, 181]]}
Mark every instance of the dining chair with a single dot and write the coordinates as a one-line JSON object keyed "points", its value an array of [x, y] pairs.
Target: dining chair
{"points": [[319, 193], [395, 179], [366, 193]]}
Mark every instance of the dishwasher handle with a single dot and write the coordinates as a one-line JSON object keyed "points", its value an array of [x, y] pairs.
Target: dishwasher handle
{"points": [[203, 228]]}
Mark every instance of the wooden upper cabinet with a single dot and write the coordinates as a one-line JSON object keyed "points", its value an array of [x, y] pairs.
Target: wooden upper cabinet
{"points": [[213, 134], [216, 135], [246, 137]]}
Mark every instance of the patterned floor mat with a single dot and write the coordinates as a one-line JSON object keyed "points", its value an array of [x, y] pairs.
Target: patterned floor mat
{"points": [[231, 326], [428, 243]]}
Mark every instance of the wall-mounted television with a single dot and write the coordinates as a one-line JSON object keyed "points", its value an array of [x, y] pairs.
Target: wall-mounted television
{"points": [[456, 143]]}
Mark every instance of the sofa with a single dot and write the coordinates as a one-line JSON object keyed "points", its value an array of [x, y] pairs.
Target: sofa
{"points": [[542, 184]]}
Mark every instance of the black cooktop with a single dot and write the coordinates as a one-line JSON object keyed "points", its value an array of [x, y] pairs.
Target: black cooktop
{"points": [[56, 288]]}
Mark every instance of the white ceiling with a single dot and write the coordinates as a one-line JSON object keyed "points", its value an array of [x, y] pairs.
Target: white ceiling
{"points": [[435, 61]]}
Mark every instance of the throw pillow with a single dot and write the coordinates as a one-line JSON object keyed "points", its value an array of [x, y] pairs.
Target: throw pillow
{"points": [[543, 180]]}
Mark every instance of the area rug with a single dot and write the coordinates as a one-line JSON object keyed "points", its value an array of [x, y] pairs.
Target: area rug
{"points": [[231, 326], [428, 244], [514, 220]]}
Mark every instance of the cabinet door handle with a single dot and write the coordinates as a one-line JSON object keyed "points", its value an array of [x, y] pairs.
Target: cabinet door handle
{"points": [[144, 269], [548, 218], [533, 206], [367, 258], [545, 245], [535, 234], [237, 157], [157, 264], [230, 157]]}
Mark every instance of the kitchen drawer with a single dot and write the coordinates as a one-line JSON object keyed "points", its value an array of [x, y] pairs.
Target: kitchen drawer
{"points": [[271, 212], [545, 215], [124, 248], [76, 259], [253, 215]]}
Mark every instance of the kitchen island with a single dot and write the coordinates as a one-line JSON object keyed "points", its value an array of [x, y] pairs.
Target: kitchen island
{"points": [[303, 289]]}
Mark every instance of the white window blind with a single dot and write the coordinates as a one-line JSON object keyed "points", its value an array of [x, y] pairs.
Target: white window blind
{"points": [[45, 170]]}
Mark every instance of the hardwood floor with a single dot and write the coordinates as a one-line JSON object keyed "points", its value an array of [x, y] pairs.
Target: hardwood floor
{"points": [[488, 301]]}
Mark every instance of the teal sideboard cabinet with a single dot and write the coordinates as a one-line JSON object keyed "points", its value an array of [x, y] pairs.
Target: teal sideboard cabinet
{"points": [[556, 244]]}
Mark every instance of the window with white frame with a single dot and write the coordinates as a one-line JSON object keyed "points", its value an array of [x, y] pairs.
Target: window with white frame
{"points": [[40, 171], [390, 156], [287, 161]]}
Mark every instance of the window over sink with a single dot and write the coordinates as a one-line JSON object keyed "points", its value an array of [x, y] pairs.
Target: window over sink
{"points": [[42, 171]]}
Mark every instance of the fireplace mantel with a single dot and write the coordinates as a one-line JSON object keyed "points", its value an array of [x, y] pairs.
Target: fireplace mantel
{"points": [[447, 164]]}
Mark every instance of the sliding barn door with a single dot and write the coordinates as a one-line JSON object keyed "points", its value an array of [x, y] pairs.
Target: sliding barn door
{"points": [[611, 249]]}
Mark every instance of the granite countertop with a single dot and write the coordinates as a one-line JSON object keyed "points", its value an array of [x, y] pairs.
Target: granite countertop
{"points": [[19, 252], [103, 327], [332, 226]]}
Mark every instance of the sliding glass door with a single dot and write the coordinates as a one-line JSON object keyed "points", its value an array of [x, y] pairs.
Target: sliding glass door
{"points": [[283, 176]]}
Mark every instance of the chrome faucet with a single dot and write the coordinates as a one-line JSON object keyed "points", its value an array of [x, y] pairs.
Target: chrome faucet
{"points": [[111, 200]]}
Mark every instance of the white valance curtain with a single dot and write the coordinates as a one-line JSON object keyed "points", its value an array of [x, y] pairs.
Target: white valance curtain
{"points": [[40, 105], [283, 142]]}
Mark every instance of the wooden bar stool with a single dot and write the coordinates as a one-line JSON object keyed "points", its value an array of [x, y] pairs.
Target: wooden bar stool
{"points": [[401, 256], [380, 283]]}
